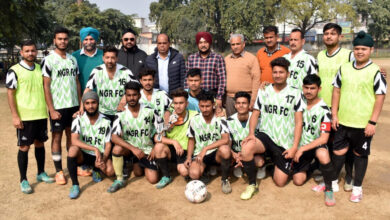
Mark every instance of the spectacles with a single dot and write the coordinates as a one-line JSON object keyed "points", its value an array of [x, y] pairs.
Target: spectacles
{"points": [[129, 39]]}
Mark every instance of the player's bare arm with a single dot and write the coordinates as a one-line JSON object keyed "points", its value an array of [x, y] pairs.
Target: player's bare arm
{"points": [[335, 107], [17, 122], [49, 100], [223, 141], [190, 151], [175, 143], [252, 126], [119, 141], [289, 154], [321, 140], [77, 142], [370, 128]]}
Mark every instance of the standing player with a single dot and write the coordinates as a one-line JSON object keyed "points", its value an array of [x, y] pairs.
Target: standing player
{"points": [[109, 80], [62, 94], [132, 134], [154, 98], [174, 146], [91, 136], [315, 134], [357, 100], [279, 107], [238, 125], [194, 80], [301, 63], [28, 108], [208, 142]]}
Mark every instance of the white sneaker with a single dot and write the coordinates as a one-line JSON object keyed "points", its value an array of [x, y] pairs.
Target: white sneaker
{"points": [[213, 171], [335, 185], [237, 172], [261, 173], [357, 194]]}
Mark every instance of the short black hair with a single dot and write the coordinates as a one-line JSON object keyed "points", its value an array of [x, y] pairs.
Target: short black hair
{"points": [[110, 48], [300, 31], [335, 26], [269, 29], [312, 79], [129, 30], [241, 94], [280, 61], [205, 96], [60, 30], [28, 42], [194, 72], [180, 92], [146, 72], [133, 85]]}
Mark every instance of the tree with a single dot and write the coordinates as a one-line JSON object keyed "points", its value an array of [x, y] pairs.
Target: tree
{"points": [[305, 14]]}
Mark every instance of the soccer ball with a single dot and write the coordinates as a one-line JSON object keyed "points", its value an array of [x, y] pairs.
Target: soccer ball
{"points": [[196, 191]]}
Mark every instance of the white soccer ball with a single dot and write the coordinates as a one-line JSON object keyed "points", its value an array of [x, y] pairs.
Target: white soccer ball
{"points": [[196, 191]]}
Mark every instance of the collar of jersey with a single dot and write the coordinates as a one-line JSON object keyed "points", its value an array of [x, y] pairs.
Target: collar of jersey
{"points": [[82, 52], [334, 53], [367, 64]]}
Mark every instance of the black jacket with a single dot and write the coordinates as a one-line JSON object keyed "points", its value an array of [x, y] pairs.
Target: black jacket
{"points": [[176, 69], [134, 59]]}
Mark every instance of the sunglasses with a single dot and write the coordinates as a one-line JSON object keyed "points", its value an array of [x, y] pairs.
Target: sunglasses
{"points": [[129, 39]]}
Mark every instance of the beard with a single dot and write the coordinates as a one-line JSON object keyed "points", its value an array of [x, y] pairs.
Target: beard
{"points": [[90, 47], [205, 52], [62, 49], [91, 114]]}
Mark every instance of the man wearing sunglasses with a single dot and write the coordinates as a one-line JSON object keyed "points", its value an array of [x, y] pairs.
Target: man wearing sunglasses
{"points": [[130, 55]]}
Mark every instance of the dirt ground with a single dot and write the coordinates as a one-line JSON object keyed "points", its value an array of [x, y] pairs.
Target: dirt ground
{"points": [[141, 200]]}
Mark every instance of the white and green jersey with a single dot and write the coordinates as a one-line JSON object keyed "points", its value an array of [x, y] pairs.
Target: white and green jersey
{"points": [[110, 91], [316, 120], [96, 135], [277, 111], [64, 76], [206, 134], [160, 101], [137, 131], [237, 132], [301, 65]]}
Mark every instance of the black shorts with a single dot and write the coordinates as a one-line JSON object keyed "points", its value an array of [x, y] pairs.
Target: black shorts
{"points": [[353, 138], [305, 160], [275, 152], [33, 130], [65, 121], [209, 159], [88, 159], [176, 158], [144, 162]]}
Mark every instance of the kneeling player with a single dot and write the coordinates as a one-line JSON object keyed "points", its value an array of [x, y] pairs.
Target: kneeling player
{"points": [[315, 134], [280, 107], [132, 134], [208, 142], [238, 125], [174, 146], [91, 133]]}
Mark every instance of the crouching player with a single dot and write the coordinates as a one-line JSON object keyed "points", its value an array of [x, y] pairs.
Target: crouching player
{"points": [[315, 134], [208, 142], [174, 146], [91, 136], [238, 125], [132, 133]]}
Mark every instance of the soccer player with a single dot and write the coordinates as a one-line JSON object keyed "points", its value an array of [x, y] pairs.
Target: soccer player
{"points": [[174, 146], [154, 98], [109, 80], [62, 94], [279, 107], [91, 136], [301, 63], [315, 135], [28, 108], [357, 100], [208, 142], [132, 134], [238, 125]]}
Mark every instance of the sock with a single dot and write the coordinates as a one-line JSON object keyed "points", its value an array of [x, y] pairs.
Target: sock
{"points": [[163, 165], [225, 167], [250, 170], [338, 162], [22, 163], [117, 162], [349, 167], [57, 161], [361, 163], [72, 167], [328, 173], [40, 157]]}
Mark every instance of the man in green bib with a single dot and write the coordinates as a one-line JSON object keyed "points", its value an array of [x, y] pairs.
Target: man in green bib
{"points": [[357, 100], [28, 108], [91, 143], [174, 145]]}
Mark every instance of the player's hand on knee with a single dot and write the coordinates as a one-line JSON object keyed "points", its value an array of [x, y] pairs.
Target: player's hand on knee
{"points": [[187, 163], [297, 155], [17, 123], [289, 154], [369, 130], [139, 153], [250, 137], [178, 148], [98, 156], [152, 155]]}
